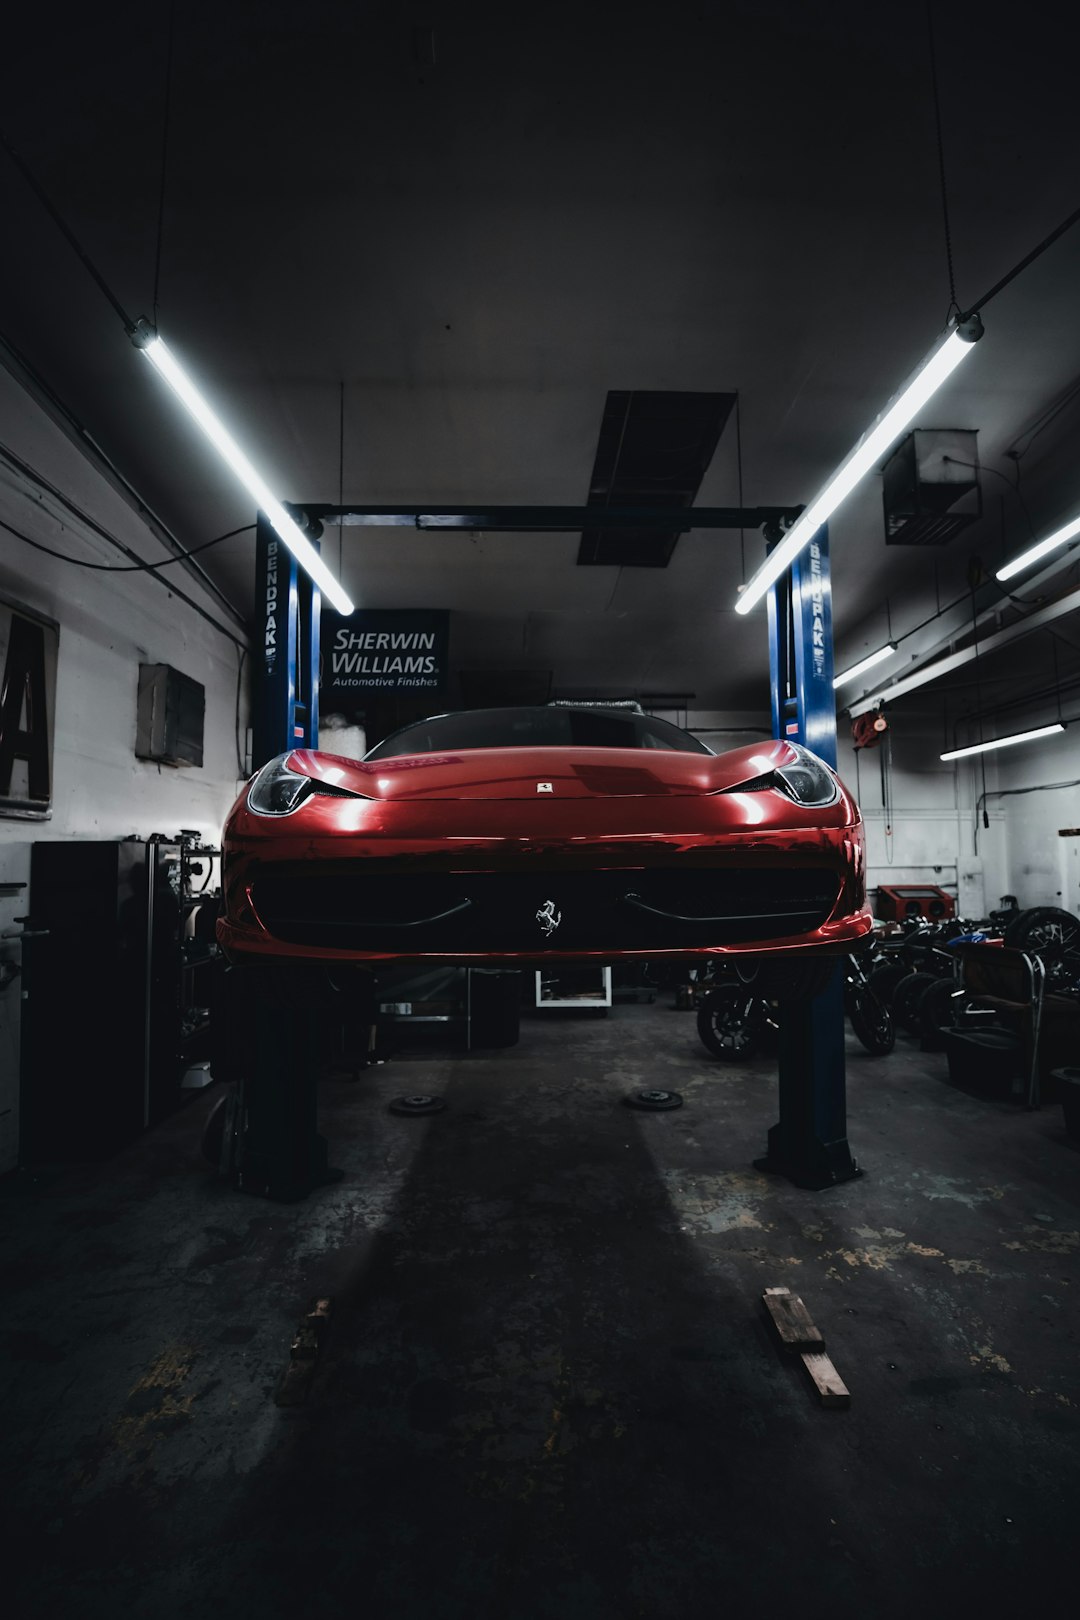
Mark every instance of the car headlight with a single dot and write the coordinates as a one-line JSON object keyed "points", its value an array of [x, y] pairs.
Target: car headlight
{"points": [[808, 781], [277, 791]]}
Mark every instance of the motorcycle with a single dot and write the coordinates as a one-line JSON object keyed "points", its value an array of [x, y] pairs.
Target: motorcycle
{"points": [[735, 1022]]}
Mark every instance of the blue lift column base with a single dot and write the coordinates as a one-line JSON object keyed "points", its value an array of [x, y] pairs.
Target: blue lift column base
{"points": [[809, 1144], [810, 1165]]}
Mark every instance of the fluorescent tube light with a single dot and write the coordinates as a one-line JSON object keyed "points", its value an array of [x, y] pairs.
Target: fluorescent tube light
{"points": [[288, 531], [940, 363], [864, 664], [1004, 742], [1035, 553]]}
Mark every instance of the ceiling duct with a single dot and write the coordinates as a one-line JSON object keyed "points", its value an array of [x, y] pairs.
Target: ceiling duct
{"points": [[653, 451], [931, 487]]}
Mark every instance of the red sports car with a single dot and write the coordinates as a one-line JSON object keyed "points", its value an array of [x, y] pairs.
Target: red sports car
{"points": [[533, 835]]}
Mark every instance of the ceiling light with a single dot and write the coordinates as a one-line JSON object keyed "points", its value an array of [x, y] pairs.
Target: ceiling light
{"points": [[864, 664], [1035, 553], [942, 360], [155, 350], [1004, 742]]}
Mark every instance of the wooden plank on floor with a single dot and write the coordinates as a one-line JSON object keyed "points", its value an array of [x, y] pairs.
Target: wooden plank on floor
{"points": [[296, 1380], [827, 1381], [792, 1320]]}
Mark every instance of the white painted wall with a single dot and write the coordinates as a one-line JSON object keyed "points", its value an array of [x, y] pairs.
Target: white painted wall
{"points": [[109, 624], [930, 835], [1043, 868]]}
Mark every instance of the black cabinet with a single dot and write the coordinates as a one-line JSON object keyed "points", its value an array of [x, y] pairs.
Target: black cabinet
{"points": [[101, 996]]}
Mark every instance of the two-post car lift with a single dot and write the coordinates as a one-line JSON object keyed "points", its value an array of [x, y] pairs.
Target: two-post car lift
{"points": [[279, 1150]]}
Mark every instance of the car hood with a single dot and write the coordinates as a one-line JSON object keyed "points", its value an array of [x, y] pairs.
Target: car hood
{"points": [[536, 773]]}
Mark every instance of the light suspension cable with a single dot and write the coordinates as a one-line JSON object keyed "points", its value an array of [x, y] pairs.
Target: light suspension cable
{"points": [[1004, 742], [940, 363], [166, 364]]}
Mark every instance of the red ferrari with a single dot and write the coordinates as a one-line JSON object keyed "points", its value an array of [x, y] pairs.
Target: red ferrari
{"points": [[532, 835]]}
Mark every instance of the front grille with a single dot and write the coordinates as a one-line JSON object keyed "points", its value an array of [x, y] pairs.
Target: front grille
{"points": [[359, 909]]}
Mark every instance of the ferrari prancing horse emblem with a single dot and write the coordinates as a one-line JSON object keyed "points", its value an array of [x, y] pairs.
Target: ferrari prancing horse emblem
{"points": [[544, 787], [548, 918]]}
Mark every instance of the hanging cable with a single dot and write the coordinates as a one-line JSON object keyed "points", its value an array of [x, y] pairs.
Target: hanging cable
{"points": [[953, 305], [68, 234], [164, 153], [978, 689], [123, 568], [738, 467], [1029, 258], [1014, 487], [341, 476]]}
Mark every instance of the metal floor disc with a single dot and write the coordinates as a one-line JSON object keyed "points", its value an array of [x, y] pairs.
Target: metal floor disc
{"points": [[654, 1100], [420, 1104]]}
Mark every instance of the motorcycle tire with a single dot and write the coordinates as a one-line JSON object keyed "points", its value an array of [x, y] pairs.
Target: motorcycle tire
{"points": [[1046, 931], [221, 1132], [884, 979], [906, 998], [871, 1021], [725, 1023], [939, 1006]]}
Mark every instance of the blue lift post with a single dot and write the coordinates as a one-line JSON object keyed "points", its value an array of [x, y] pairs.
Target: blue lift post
{"points": [[809, 1143], [285, 712], [274, 1017]]}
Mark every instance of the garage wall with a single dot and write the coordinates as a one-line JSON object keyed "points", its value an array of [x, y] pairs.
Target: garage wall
{"points": [[928, 834], [109, 624], [1043, 869]]}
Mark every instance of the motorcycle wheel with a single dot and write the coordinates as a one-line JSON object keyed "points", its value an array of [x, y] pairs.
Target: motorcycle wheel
{"points": [[939, 1007], [725, 1022], [885, 978], [1046, 931], [871, 1021], [906, 998]]}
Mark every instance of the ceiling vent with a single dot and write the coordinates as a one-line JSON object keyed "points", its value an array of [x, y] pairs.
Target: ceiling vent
{"points": [[931, 488], [653, 451]]}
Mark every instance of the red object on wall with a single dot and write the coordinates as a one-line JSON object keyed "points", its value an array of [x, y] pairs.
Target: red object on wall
{"points": [[868, 729], [896, 901]]}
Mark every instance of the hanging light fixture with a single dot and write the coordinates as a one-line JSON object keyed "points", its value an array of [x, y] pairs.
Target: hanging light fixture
{"points": [[1042, 549], [1004, 742], [940, 363], [864, 664], [145, 337]]}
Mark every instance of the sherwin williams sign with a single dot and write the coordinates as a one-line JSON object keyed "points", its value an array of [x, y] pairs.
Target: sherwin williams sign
{"points": [[382, 650]]}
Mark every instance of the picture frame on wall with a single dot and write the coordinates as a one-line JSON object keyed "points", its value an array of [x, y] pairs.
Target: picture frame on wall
{"points": [[29, 652]]}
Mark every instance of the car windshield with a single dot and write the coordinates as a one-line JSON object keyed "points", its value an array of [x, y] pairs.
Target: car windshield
{"points": [[547, 727]]}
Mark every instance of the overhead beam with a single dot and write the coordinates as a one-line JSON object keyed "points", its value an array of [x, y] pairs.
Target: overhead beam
{"points": [[924, 645], [540, 519], [944, 666]]}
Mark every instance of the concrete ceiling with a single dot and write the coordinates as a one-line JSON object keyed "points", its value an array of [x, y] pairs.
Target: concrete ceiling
{"points": [[571, 199]]}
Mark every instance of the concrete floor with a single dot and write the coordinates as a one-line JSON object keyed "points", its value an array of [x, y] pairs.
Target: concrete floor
{"points": [[549, 1392]]}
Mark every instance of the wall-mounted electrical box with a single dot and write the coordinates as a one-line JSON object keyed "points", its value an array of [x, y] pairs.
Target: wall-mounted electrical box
{"points": [[170, 715]]}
